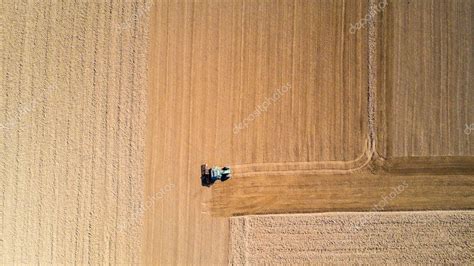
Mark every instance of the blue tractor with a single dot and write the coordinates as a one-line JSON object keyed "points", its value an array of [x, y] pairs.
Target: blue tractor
{"points": [[210, 175]]}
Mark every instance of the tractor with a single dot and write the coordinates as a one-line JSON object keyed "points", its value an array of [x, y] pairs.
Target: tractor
{"points": [[210, 175]]}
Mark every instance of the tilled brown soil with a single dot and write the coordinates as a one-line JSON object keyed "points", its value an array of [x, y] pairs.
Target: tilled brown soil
{"points": [[261, 86]]}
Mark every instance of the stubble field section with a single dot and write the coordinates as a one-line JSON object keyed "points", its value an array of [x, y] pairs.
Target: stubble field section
{"points": [[72, 113]]}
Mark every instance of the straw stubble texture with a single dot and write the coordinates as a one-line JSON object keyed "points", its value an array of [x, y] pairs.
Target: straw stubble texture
{"points": [[361, 238], [72, 112]]}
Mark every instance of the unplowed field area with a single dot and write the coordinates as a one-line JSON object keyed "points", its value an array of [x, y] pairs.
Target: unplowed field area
{"points": [[72, 118], [379, 238]]}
